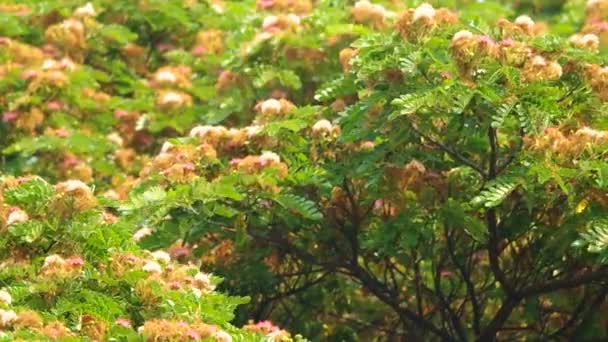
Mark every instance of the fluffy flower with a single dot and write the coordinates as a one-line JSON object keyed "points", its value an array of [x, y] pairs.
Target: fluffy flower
{"points": [[171, 98], [75, 261], [123, 322], [141, 233], [269, 157], [152, 267], [270, 107], [524, 21], [222, 336], [322, 126], [161, 255], [5, 297], [115, 138], [202, 131], [588, 41], [7, 317], [165, 77], [85, 11], [75, 185], [53, 260], [365, 12], [425, 11], [16, 215], [463, 34], [203, 282]]}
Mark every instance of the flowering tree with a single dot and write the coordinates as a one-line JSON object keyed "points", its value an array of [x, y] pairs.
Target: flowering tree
{"points": [[392, 172]]}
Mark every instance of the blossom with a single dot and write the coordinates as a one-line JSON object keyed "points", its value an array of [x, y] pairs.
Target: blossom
{"points": [[538, 61], [115, 138], [86, 10], [9, 116], [70, 24], [322, 126], [365, 12], [161, 256], [16, 215], [367, 145], [74, 185], [152, 267], [202, 131], [165, 76], [171, 98], [270, 107], [7, 317], [222, 336], [193, 334], [462, 34], [5, 297], [75, 261], [197, 292], [424, 11], [587, 41], [123, 322], [253, 130], [53, 260], [525, 21], [269, 157], [204, 281], [141, 233]]}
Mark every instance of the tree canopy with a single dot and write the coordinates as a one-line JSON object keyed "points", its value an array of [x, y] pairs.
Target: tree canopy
{"points": [[338, 170]]}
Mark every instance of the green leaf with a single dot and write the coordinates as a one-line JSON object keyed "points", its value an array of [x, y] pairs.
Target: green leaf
{"points": [[495, 193], [299, 205], [117, 33]]}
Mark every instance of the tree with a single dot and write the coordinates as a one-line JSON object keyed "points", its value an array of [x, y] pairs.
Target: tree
{"points": [[388, 172]]}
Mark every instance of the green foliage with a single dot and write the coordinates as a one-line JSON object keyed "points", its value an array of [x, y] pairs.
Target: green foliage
{"points": [[351, 171]]}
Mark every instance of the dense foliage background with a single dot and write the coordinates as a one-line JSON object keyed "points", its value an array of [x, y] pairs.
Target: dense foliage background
{"points": [[347, 171]]}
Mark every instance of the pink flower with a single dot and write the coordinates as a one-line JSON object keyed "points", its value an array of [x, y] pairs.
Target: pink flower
{"points": [[199, 50], [53, 105], [141, 233], [189, 167], [62, 132], [174, 285], [70, 162], [378, 204], [75, 261], [485, 40], [29, 74], [123, 322], [193, 335], [368, 145], [265, 4], [267, 326], [601, 25], [120, 114], [9, 116], [507, 42], [164, 47]]}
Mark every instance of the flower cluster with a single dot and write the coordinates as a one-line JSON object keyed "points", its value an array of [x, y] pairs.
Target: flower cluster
{"points": [[597, 78], [570, 145], [417, 23], [270, 330], [70, 269]]}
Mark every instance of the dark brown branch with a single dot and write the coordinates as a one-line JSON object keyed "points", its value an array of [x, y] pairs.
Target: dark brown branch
{"points": [[489, 333], [466, 276], [451, 152], [445, 305], [389, 298], [580, 279], [511, 157]]}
